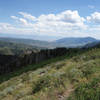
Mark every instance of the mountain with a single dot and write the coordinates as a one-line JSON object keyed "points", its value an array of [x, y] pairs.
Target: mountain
{"points": [[93, 44], [74, 42], [64, 42], [37, 43], [28, 36]]}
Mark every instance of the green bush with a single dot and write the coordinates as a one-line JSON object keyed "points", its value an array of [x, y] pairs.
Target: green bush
{"points": [[47, 82], [41, 83]]}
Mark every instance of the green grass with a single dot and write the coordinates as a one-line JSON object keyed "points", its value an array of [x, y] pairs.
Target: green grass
{"points": [[74, 77], [89, 90], [31, 67]]}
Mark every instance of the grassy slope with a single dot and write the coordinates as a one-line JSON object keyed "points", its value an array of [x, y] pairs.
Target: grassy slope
{"points": [[77, 78]]}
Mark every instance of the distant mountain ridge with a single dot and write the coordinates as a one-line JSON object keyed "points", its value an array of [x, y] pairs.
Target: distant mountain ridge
{"points": [[37, 43], [64, 42], [92, 45], [74, 42]]}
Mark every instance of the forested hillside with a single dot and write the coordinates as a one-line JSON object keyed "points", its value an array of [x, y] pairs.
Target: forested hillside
{"points": [[11, 48]]}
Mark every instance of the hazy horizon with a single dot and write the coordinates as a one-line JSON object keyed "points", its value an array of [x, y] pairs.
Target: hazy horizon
{"points": [[41, 38]]}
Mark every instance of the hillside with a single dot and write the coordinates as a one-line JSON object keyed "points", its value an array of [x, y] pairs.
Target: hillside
{"points": [[12, 48], [64, 42], [75, 42], [30, 42], [93, 44], [72, 78]]}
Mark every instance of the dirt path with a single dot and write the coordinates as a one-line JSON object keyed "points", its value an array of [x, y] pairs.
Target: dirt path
{"points": [[66, 94]]}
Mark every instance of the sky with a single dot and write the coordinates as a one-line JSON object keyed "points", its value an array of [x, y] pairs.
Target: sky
{"points": [[50, 19]]}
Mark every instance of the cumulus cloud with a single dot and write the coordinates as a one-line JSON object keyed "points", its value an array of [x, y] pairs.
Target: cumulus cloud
{"points": [[6, 26], [22, 22], [28, 16], [14, 17], [68, 18], [60, 23], [66, 23], [95, 17]]}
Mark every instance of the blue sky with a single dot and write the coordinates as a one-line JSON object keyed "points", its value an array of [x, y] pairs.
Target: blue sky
{"points": [[65, 18], [38, 7]]}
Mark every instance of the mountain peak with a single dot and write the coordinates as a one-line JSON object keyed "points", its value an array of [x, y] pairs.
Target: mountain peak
{"points": [[75, 41]]}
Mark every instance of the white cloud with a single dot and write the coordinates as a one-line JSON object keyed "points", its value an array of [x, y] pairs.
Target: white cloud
{"points": [[66, 23], [60, 23], [28, 16], [70, 17], [94, 17], [14, 17], [67, 17], [22, 22], [6, 26], [66, 20]]}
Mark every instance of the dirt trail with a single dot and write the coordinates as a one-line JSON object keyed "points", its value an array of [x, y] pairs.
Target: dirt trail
{"points": [[66, 94]]}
